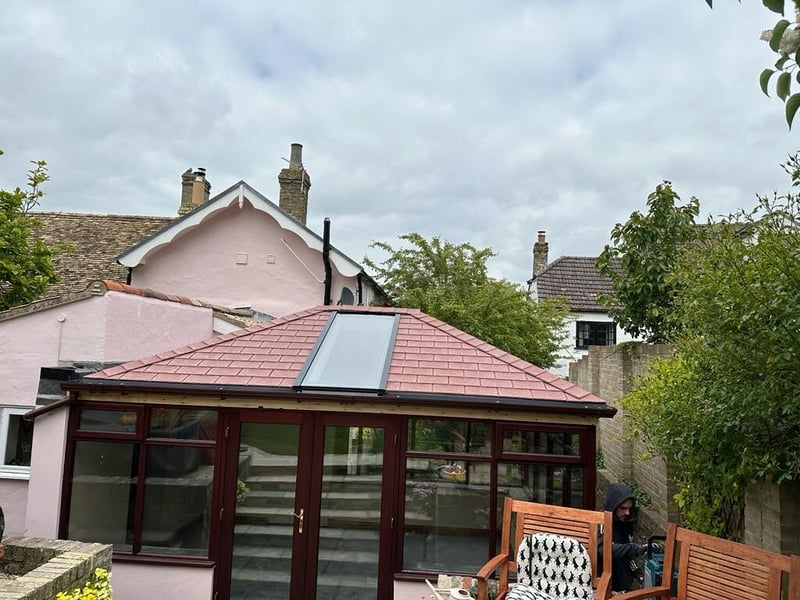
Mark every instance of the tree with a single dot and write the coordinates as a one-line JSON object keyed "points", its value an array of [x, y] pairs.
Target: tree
{"points": [[725, 410], [784, 40], [451, 282], [26, 264], [644, 251]]}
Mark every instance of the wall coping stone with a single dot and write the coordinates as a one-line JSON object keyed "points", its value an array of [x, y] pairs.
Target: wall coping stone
{"points": [[45, 567]]}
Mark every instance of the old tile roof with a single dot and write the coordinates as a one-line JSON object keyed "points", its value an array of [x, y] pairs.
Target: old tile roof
{"points": [[93, 242], [237, 316], [429, 358], [576, 279]]}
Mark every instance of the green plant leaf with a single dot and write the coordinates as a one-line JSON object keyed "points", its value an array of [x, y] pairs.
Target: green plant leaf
{"points": [[781, 62], [777, 34], [763, 79], [792, 104], [709, 2], [783, 85], [775, 6]]}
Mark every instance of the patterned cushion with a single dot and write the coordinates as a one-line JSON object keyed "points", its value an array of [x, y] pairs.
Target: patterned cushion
{"points": [[556, 565]]}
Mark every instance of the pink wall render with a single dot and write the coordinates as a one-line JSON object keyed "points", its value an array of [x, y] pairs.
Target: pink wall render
{"points": [[243, 258], [112, 327], [137, 581]]}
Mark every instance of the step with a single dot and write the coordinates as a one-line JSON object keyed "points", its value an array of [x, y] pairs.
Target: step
{"points": [[246, 535], [362, 500], [347, 562], [346, 518], [330, 483]]}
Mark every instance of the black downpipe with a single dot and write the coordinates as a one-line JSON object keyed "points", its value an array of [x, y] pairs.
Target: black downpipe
{"points": [[128, 278], [360, 289], [326, 260]]}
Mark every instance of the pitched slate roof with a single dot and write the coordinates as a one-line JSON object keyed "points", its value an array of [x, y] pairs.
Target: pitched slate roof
{"points": [[429, 358], [93, 241], [576, 279]]}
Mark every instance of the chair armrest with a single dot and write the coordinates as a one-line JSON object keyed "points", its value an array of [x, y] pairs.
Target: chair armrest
{"points": [[662, 591], [483, 574], [603, 591], [491, 566]]}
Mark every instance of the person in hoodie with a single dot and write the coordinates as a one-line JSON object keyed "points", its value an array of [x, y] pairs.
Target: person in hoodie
{"points": [[624, 569]]}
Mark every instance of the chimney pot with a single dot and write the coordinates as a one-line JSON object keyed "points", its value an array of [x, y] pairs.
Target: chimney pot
{"points": [[541, 239], [296, 157]]}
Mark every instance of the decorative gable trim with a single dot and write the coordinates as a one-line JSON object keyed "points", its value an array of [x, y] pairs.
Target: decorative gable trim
{"points": [[236, 194]]}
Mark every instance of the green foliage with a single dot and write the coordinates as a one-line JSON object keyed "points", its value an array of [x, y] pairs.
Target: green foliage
{"points": [[784, 40], [725, 410], [97, 588], [451, 282], [647, 247], [26, 267]]}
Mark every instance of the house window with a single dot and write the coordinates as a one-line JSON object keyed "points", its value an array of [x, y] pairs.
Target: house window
{"points": [[595, 333], [16, 441], [141, 479], [457, 474]]}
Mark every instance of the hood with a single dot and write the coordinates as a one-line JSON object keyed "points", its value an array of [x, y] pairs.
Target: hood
{"points": [[616, 494]]}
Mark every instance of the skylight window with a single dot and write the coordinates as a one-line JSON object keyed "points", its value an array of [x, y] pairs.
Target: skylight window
{"points": [[352, 353]]}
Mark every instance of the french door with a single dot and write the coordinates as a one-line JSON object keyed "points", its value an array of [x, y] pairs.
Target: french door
{"points": [[312, 511]]}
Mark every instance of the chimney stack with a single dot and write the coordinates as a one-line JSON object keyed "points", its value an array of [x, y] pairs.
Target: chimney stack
{"points": [[195, 190], [540, 249], [294, 184]]}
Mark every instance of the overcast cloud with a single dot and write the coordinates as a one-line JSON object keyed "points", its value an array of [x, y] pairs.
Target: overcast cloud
{"points": [[479, 121]]}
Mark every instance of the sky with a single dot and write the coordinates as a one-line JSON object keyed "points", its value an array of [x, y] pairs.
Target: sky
{"points": [[475, 121]]}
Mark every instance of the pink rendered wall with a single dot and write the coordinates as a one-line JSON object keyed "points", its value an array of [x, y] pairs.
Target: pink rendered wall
{"points": [[47, 470], [112, 327], [239, 259], [137, 581]]}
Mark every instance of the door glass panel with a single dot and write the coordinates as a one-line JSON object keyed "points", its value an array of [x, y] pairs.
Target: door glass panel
{"points": [[263, 526], [349, 536]]}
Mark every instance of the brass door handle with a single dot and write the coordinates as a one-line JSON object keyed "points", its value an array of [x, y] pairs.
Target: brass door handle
{"points": [[300, 519]]}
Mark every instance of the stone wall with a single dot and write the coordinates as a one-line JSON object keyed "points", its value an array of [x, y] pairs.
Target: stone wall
{"points": [[41, 568], [772, 512], [609, 372]]}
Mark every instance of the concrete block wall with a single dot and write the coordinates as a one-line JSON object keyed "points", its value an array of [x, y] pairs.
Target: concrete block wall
{"points": [[772, 516]]}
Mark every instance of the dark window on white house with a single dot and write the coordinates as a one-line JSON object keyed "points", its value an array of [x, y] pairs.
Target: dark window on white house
{"points": [[595, 333]]}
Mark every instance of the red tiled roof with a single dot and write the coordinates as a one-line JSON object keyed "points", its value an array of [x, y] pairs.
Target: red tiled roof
{"points": [[430, 357]]}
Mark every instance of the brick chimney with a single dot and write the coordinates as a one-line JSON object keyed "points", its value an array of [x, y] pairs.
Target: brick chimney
{"points": [[540, 249], [295, 182], [195, 190]]}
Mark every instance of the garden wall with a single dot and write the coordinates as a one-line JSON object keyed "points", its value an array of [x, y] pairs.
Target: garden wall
{"points": [[40, 568]]}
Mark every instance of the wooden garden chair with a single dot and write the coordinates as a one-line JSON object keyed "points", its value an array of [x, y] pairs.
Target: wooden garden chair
{"points": [[521, 521]]}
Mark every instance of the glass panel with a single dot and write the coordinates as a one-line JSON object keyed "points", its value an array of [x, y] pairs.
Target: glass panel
{"points": [[446, 515], [449, 436], [264, 525], [350, 516], [561, 485], [107, 420], [177, 500], [542, 442], [182, 424], [354, 353], [19, 441], [103, 491]]}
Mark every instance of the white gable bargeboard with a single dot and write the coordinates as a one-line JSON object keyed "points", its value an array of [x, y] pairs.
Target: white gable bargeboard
{"points": [[240, 250]]}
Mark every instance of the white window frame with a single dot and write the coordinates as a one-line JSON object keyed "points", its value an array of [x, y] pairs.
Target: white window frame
{"points": [[11, 471]]}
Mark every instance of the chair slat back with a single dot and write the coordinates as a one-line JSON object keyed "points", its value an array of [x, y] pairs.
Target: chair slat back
{"points": [[525, 518], [713, 568]]}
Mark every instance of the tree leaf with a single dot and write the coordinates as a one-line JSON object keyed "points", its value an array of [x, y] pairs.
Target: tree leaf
{"points": [[792, 104], [763, 79], [783, 85], [709, 2], [781, 62], [777, 34], [775, 6]]}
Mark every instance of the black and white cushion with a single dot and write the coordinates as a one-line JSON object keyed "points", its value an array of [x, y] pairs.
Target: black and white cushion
{"points": [[552, 567]]}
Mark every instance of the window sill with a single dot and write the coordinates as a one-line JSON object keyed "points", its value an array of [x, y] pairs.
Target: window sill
{"points": [[20, 473]]}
